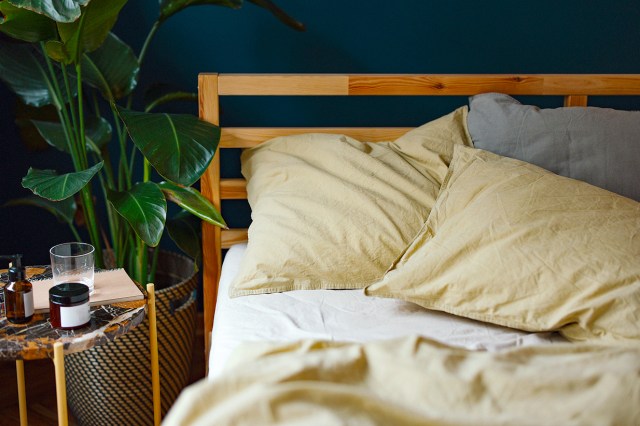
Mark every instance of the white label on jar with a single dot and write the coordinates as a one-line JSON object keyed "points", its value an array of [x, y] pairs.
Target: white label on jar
{"points": [[27, 299], [73, 316]]}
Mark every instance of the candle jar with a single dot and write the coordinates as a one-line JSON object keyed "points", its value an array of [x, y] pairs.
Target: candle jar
{"points": [[69, 306]]}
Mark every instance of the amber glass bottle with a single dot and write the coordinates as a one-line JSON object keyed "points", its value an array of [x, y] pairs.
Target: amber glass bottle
{"points": [[18, 295]]}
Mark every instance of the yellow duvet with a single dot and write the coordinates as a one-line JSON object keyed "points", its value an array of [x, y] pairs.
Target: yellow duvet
{"points": [[416, 381]]}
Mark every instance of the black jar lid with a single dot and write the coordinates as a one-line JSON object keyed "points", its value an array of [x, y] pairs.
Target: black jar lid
{"points": [[69, 293]]}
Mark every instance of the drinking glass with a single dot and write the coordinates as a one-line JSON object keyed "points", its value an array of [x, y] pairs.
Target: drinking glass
{"points": [[72, 262]]}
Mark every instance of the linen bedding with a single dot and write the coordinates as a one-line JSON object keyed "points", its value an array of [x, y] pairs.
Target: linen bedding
{"points": [[502, 241], [416, 381]]}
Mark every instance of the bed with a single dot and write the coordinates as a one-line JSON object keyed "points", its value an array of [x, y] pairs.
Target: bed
{"points": [[290, 335]]}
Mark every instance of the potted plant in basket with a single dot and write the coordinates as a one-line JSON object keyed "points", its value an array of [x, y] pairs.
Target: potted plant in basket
{"points": [[64, 55]]}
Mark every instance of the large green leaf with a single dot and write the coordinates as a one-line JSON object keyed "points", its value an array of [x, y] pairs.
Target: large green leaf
{"points": [[58, 10], [24, 24], [64, 210], [23, 71], [112, 68], [88, 32], [192, 201], [186, 231], [171, 7], [179, 146], [97, 130], [279, 13], [48, 184], [144, 207]]}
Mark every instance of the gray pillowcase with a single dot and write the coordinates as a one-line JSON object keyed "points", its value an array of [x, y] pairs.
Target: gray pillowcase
{"points": [[600, 146]]}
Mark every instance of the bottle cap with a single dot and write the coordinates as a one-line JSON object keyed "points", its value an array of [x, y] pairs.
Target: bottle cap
{"points": [[17, 272]]}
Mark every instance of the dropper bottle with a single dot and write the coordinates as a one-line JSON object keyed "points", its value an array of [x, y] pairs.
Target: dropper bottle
{"points": [[18, 293]]}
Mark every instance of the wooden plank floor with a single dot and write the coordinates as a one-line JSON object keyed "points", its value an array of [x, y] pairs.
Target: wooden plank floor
{"points": [[41, 390]]}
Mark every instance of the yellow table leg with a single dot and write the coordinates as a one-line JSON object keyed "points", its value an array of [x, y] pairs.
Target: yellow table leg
{"points": [[22, 394], [153, 345], [61, 387]]}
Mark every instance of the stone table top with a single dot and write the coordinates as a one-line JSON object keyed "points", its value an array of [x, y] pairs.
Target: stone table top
{"points": [[35, 339]]}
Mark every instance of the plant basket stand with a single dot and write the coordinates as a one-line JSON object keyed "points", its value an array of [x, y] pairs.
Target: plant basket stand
{"points": [[111, 384]]}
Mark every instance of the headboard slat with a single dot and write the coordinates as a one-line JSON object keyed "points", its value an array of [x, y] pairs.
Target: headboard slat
{"points": [[247, 137], [575, 100], [233, 236], [421, 85], [233, 189], [284, 84], [470, 84]]}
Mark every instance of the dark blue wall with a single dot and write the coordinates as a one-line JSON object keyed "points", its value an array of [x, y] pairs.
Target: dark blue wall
{"points": [[406, 36]]}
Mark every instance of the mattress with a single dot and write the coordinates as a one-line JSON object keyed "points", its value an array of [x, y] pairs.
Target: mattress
{"points": [[341, 315]]}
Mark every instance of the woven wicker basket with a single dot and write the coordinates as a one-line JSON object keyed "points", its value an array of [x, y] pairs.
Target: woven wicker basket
{"points": [[111, 384]]}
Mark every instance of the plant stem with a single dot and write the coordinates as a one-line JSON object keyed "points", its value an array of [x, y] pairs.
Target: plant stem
{"points": [[147, 42], [143, 262], [72, 110], [124, 172], [54, 89], [82, 144], [154, 264], [74, 231], [143, 53], [147, 171], [89, 211], [110, 214], [132, 157]]}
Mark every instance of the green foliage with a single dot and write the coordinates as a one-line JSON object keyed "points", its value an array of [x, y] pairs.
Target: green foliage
{"points": [[179, 146], [112, 68], [23, 24], [88, 32], [186, 232], [144, 207], [65, 55], [52, 186], [25, 72], [192, 202], [58, 10], [98, 134]]}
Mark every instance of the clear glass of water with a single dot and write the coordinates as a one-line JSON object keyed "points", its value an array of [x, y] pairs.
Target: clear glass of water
{"points": [[72, 263]]}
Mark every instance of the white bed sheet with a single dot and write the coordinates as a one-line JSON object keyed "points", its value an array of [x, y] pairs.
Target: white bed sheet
{"points": [[341, 315]]}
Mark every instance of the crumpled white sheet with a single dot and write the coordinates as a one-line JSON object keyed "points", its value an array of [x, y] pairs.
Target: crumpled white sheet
{"points": [[341, 315]]}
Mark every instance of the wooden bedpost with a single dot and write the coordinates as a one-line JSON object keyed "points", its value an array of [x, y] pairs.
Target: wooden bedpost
{"points": [[209, 110]]}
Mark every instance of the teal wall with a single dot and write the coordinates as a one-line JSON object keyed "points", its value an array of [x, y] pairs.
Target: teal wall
{"points": [[405, 36]]}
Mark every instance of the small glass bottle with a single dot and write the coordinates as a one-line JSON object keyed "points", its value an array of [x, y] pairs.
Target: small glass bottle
{"points": [[18, 295]]}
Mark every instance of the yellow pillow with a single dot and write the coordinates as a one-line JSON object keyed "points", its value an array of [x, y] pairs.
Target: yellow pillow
{"points": [[513, 244], [330, 212]]}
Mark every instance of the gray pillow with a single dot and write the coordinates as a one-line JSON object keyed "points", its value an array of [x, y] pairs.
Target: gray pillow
{"points": [[600, 146]]}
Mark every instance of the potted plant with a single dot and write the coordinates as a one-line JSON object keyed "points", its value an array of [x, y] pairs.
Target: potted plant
{"points": [[64, 55]]}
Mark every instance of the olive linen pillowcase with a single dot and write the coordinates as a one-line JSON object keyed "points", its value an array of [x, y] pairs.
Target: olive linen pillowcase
{"points": [[330, 212], [513, 244]]}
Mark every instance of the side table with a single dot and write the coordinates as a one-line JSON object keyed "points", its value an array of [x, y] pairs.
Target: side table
{"points": [[38, 339]]}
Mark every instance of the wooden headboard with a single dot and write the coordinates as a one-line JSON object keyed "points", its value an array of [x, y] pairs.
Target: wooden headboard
{"points": [[575, 88]]}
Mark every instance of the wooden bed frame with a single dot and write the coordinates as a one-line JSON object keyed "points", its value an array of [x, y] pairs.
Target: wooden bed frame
{"points": [[575, 88]]}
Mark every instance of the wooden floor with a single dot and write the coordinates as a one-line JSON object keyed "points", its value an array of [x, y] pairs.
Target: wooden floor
{"points": [[41, 391]]}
